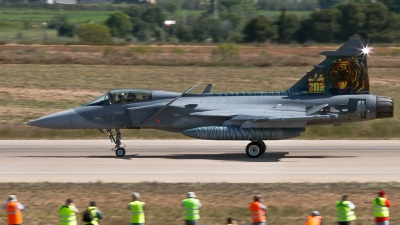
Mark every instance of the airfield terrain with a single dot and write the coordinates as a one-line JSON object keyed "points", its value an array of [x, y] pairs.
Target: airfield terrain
{"points": [[43, 167], [295, 178], [38, 80], [288, 204]]}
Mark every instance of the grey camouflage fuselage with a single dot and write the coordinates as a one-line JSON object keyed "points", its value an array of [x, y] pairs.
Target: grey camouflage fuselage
{"points": [[335, 92]]}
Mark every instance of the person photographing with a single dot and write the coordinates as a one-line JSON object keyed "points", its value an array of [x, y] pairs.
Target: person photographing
{"points": [[257, 211]]}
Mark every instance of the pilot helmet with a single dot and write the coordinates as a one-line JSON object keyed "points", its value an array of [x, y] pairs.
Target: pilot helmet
{"points": [[121, 95]]}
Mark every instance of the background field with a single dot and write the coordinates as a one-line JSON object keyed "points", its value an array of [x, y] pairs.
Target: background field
{"points": [[31, 24], [288, 204], [27, 24]]}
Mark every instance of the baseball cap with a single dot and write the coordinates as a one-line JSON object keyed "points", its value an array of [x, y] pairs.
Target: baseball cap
{"points": [[12, 198], [191, 195], [315, 213]]}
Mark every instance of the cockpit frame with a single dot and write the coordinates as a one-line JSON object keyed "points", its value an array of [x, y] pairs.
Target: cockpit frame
{"points": [[121, 96]]}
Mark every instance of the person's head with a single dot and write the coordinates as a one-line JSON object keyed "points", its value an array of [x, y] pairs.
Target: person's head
{"points": [[12, 198], [315, 213], [135, 196], [345, 197], [257, 198], [381, 193], [229, 220], [121, 96], [69, 201], [92, 203], [191, 195]]}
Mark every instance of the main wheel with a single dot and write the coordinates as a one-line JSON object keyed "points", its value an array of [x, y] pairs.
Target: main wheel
{"points": [[120, 152], [254, 150], [264, 147]]}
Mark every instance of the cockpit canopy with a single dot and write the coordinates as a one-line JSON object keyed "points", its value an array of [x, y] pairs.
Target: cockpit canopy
{"points": [[122, 96]]}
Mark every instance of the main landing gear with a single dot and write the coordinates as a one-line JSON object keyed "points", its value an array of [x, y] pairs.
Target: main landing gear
{"points": [[255, 149], [119, 147]]}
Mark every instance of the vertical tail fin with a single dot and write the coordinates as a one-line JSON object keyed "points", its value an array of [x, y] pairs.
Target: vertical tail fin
{"points": [[344, 71]]}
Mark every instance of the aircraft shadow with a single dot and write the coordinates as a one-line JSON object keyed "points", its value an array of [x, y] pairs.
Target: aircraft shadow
{"points": [[238, 157]]}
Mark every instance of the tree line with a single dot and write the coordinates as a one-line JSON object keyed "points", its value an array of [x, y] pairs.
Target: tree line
{"points": [[239, 21]]}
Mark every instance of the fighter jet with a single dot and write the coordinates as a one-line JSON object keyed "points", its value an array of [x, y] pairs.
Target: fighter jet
{"points": [[334, 92]]}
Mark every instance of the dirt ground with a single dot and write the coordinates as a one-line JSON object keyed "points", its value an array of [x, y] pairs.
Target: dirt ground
{"points": [[179, 55], [288, 204], [169, 48], [284, 49]]}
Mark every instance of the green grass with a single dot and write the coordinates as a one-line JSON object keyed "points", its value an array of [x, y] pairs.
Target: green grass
{"points": [[189, 12], [272, 13], [30, 21], [12, 20], [276, 13], [45, 15], [37, 33], [35, 15]]}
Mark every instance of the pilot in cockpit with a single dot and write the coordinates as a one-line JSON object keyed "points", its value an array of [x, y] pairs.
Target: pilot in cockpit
{"points": [[121, 97], [131, 97]]}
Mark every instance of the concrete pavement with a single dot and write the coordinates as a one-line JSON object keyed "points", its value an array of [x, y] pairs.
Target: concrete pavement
{"points": [[199, 161]]}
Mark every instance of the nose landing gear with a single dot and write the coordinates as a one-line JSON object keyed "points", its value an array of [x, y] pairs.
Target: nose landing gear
{"points": [[120, 152], [255, 149], [119, 147]]}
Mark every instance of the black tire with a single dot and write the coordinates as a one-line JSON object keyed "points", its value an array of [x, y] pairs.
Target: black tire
{"points": [[254, 150], [120, 152], [264, 147]]}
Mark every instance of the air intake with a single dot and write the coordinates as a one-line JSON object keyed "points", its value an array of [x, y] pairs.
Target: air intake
{"points": [[384, 107]]}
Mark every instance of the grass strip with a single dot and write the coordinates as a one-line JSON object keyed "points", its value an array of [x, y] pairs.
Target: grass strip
{"points": [[288, 203]]}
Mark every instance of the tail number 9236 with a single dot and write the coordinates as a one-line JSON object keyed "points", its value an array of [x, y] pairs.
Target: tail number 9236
{"points": [[113, 118]]}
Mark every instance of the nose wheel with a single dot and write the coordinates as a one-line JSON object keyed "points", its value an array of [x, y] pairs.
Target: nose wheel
{"points": [[119, 147], [255, 149], [120, 152]]}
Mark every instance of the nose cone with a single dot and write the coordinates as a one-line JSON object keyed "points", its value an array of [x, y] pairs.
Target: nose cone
{"points": [[60, 120]]}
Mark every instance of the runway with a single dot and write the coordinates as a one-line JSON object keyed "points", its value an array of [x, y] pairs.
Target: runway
{"points": [[199, 161]]}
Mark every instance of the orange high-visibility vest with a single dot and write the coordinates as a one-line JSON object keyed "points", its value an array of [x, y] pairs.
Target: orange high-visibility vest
{"points": [[14, 214], [257, 213], [313, 220]]}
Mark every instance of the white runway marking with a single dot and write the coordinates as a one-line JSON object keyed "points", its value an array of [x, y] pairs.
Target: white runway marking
{"points": [[208, 172]]}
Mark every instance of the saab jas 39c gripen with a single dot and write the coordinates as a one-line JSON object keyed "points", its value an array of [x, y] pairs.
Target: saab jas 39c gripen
{"points": [[336, 91]]}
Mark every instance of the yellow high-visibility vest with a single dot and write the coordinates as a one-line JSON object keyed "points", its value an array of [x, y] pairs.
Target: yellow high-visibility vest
{"points": [[95, 220], [137, 212], [344, 213], [67, 215], [380, 209], [191, 206]]}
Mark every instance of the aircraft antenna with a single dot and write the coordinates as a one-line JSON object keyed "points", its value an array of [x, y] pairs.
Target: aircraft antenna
{"points": [[169, 103]]}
